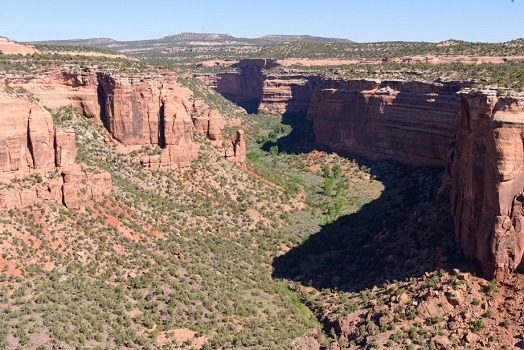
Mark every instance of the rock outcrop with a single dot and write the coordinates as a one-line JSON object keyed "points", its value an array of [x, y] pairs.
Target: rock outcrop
{"points": [[37, 163], [27, 139], [239, 148], [150, 112], [410, 122], [486, 177], [10, 47], [65, 147], [209, 123]]}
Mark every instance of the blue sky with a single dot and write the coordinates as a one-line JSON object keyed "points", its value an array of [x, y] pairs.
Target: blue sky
{"points": [[361, 21]]}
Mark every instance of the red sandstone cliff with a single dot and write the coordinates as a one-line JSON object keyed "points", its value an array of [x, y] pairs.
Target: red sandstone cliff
{"points": [[137, 111], [150, 112], [414, 123], [410, 122], [59, 88], [487, 181], [30, 149]]}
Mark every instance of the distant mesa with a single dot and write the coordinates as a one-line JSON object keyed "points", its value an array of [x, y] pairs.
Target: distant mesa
{"points": [[198, 36], [98, 42], [305, 38]]}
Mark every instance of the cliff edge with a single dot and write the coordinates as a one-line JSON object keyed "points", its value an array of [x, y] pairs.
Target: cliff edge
{"points": [[486, 177]]}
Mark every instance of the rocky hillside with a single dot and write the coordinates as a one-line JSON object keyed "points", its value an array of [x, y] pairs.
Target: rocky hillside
{"points": [[9, 47]]}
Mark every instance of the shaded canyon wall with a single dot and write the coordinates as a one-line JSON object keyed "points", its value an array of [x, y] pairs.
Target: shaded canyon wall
{"points": [[257, 91], [410, 122]]}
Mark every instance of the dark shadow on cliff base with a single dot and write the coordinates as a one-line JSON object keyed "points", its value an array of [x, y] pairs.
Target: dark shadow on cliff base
{"points": [[400, 235], [161, 127], [301, 139]]}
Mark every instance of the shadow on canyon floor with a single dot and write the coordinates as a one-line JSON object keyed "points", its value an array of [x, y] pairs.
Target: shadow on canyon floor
{"points": [[250, 105], [301, 139], [400, 235]]}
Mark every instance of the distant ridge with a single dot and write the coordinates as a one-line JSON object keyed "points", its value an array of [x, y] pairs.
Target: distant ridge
{"points": [[77, 42], [189, 40], [305, 38]]}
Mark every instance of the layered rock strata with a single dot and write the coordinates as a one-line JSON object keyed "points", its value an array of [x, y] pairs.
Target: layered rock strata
{"points": [[477, 133], [61, 88], [150, 112], [38, 163], [410, 122], [486, 179]]}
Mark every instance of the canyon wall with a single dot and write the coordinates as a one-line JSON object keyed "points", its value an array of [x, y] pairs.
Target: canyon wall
{"points": [[477, 135], [486, 179], [410, 122], [256, 91], [136, 110], [152, 111], [37, 162], [417, 123]]}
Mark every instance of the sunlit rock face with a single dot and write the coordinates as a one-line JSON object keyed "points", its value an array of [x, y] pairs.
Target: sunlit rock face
{"points": [[486, 173], [411, 122], [31, 148]]}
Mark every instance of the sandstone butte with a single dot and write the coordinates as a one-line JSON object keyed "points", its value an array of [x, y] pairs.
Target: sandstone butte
{"points": [[476, 135]]}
